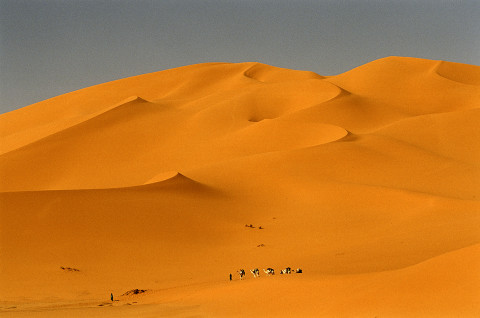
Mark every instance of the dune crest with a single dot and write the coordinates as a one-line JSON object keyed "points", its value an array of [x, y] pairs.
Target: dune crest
{"points": [[164, 176], [462, 73], [169, 177], [368, 180], [133, 99], [269, 74]]}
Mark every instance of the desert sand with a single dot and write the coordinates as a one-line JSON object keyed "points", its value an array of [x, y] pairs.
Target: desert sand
{"points": [[368, 180]]}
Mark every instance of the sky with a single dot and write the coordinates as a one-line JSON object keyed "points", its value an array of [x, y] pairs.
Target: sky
{"points": [[52, 47]]}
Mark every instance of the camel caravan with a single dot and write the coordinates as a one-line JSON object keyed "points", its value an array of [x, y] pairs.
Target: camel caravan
{"points": [[268, 272]]}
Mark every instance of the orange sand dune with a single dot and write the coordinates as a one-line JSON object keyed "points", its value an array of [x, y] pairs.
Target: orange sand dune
{"points": [[368, 180]]}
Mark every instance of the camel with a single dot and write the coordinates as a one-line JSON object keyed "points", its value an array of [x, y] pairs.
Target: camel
{"points": [[255, 272], [241, 273], [269, 271]]}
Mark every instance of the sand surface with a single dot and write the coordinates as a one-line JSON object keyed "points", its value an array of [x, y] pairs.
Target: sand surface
{"points": [[368, 180]]}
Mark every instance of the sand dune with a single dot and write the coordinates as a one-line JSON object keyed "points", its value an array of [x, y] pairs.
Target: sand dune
{"points": [[368, 180]]}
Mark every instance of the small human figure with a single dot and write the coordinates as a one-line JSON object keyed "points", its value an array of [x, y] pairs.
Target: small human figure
{"points": [[230, 276], [111, 296]]}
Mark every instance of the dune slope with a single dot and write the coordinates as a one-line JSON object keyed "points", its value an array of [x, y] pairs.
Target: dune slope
{"points": [[368, 180]]}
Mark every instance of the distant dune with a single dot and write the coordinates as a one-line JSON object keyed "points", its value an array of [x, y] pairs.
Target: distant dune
{"points": [[168, 182]]}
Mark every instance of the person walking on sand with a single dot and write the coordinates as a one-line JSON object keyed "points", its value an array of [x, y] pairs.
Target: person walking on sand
{"points": [[230, 276], [111, 296]]}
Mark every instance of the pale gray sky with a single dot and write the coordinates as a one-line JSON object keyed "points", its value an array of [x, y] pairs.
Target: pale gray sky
{"points": [[52, 47]]}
